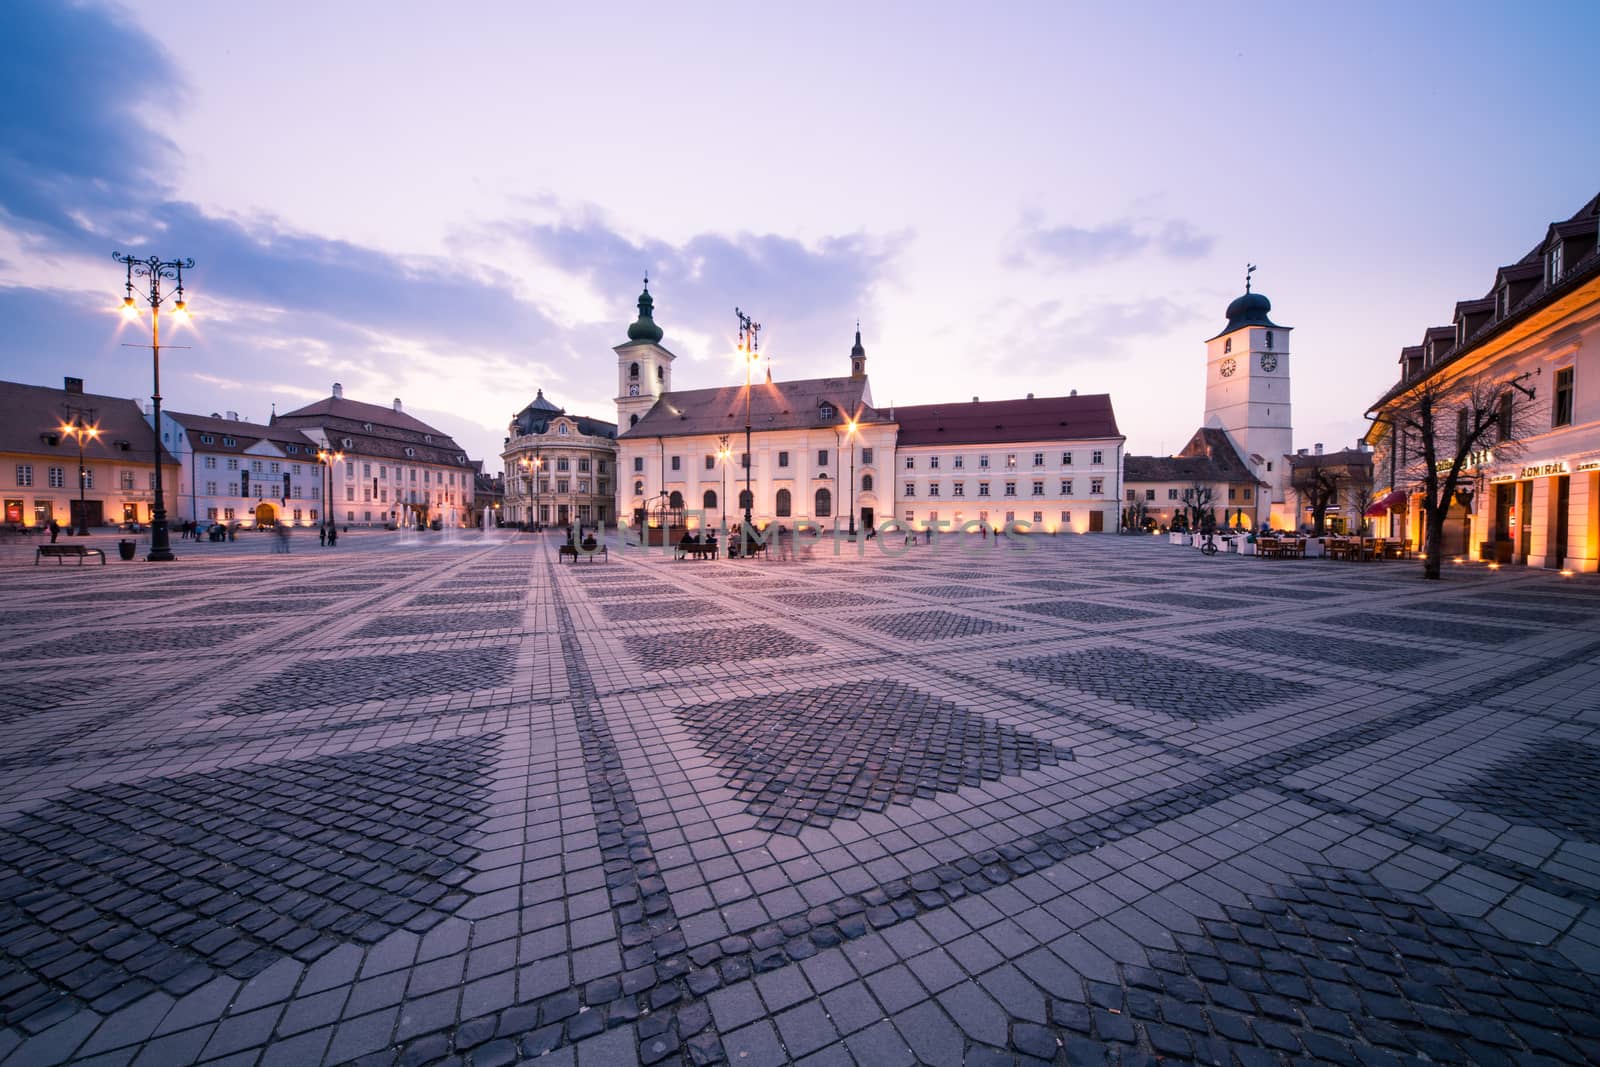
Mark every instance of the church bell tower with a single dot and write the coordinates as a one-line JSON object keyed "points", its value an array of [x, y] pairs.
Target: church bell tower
{"points": [[1247, 391], [644, 367]]}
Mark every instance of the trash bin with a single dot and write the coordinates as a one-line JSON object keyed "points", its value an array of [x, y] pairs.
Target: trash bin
{"points": [[125, 550]]}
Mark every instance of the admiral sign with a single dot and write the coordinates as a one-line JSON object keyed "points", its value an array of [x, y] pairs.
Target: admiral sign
{"points": [[1543, 470]]}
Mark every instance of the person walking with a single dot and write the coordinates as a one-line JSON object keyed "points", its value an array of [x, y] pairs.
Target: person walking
{"points": [[55, 529], [322, 535], [333, 536]]}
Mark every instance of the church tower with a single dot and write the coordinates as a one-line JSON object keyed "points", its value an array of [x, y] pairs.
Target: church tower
{"points": [[644, 367], [858, 357], [1247, 392]]}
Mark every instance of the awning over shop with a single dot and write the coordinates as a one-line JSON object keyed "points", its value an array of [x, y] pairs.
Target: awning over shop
{"points": [[1386, 503]]}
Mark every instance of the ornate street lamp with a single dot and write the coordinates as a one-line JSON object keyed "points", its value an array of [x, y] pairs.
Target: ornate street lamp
{"points": [[155, 269], [724, 453], [80, 431], [850, 439], [327, 459], [749, 352]]}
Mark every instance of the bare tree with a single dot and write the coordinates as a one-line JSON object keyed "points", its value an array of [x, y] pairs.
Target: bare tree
{"points": [[1358, 491], [1197, 501], [1318, 485], [1445, 428], [1135, 514]]}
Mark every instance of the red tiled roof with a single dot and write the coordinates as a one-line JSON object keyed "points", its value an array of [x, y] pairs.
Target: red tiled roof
{"points": [[1049, 418], [30, 415], [792, 405]]}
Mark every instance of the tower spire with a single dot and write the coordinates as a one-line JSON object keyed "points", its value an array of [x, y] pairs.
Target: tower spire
{"points": [[1249, 269], [858, 356]]}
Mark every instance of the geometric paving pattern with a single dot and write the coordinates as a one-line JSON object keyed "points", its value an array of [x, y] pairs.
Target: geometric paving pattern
{"points": [[1554, 785], [1182, 688], [1079, 611], [805, 758], [645, 610], [1344, 652], [1436, 629], [661, 652], [932, 625], [411, 623], [352, 680], [106, 894], [165, 638]]}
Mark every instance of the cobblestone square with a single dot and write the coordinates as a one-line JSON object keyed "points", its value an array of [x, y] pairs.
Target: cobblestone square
{"points": [[1077, 800]]}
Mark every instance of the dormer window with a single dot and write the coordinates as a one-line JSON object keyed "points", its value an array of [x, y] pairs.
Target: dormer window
{"points": [[1461, 331], [1553, 265], [428, 437], [1502, 301], [348, 444], [230, 442], [826, 412], [561, 428], [367, 426], [207, 439], [410, 452]]}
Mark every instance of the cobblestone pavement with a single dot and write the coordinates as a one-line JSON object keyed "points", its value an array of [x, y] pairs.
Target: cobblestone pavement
{"points": [[1099, 800]]}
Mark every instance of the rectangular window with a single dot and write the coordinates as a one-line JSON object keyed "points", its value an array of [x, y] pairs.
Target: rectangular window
{"points": [[1247, 492], [349, 493], [783, 459], [822, 457], [933, 488], [275, 469], [88, 477], [911, 489], [711, 463], [911, 463], [1011, 461], [983, 462], [983, 488], [295, 470], [211, 489], [960, 462], [638, 464], [1563, 403], [366, 469], [233, 489], [1066, 459], [1038, 489], [1172, 494], [233, 463], [866, 456], [1038, 459], [933, 463], [1150, 494], [959, 489], [1038, 516], [561, 485], [1066, 516], [1130, 495], [211, 463], [24, 474], [227, 513], [677, 463], [1066, 487], [561, 463], [1097, 486], [1097, 456], [583, 485], [211, 513], [126, 480], [1504, 416], [583, 464], [1233, 494], [1011, 489]]}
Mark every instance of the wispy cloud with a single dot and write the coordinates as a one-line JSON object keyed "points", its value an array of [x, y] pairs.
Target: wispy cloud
{"points": [[1073, 247], [1043, 337]]}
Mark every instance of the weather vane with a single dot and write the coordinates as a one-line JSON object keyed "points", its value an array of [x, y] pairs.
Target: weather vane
{"points": [[1249, 269]]}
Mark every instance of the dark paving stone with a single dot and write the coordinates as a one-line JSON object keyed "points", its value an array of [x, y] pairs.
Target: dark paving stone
{"points": [[1391, 626], [1185, 689], [428, 623], [1056, 585], [1321, 648], [955, 592], [806, 758], [667, 651], [628, 590], [830, 599], [125, 642], [1196, 601], [661, 608], [1082, 611], [269, 605], [232, 870], [1498, 612], [316, 683], [933, 625], [480, 598], [20, 695], [1552, 785], [1277, 592]]}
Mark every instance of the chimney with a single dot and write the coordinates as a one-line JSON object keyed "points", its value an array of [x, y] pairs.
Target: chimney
{"points": [[73, 385], [974, 400], [233, 416], [397, 404], [1030, 396], [1301, 452], [1318, 447], [338, 391], [1073, 393]]}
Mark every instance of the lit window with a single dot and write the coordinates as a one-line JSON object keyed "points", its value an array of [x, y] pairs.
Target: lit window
{"points": [[1563, 400]]}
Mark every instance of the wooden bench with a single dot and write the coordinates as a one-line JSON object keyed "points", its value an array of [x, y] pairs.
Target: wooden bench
{"points": [[64, 552], [590, 548], [746, 548], [697, 549]]}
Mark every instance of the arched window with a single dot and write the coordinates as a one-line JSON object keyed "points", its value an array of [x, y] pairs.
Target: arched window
{"points": [[866, 483], [638, 488], [633, 420], [783, 504], [633, 370], [1269, 340], [747, 499], [824, 504], [675, 501], [710, 499], [1227, 346], [661, 374]]}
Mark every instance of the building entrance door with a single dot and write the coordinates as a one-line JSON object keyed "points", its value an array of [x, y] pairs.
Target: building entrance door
{"points": [[561, 514], [1560, 497], [266, 515], [867, 518], [1525, 527], [1097, 522], [91, 512]]}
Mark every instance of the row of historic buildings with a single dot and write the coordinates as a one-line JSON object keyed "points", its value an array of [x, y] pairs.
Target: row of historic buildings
{"points": [[337, 459]]}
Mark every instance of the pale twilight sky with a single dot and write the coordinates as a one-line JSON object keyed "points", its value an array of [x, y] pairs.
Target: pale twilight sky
{"points": [[456, 208]]}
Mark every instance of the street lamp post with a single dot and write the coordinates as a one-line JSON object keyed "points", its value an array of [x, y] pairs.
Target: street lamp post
{"points": [[850, 439], [724, 453], [750, 351], [155, 269], [328, 458], [78, 429]]}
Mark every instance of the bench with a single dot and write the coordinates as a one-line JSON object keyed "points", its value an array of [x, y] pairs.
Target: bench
{"points": [[746, 548], [590, 549], [697, 549], [64, 552]]}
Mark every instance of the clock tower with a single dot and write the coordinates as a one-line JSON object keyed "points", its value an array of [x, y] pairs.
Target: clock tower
{"points": [[1247, 393], [644, 367]]}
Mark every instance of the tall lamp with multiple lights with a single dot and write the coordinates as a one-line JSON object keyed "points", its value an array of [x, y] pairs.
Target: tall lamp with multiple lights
{"points": [[328, 457], [850, 439], [749, 352], [724, 453], [81, 430], [155, 269]]}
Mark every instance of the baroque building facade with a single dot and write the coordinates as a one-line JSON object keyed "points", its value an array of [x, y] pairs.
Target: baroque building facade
{"points": [[560, 469]]}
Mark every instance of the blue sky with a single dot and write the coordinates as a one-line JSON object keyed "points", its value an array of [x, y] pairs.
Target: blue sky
{"points": [[458, 210]]}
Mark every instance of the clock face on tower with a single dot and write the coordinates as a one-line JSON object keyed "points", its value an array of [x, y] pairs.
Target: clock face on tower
{"points": [[1269, 361], [1229, 365], [633, 390]]}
